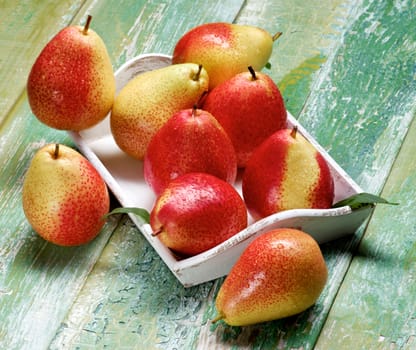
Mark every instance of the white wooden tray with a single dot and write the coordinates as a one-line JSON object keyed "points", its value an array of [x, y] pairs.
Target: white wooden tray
{"points": [[124, 177]]}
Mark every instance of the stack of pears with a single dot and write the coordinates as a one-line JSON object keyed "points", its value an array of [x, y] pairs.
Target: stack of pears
{"points": [[194, 124]]}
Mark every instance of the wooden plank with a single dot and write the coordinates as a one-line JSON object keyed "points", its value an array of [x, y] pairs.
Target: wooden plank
{"points": [[38, 281], [375, 307], [130, 298], [31, 271]]}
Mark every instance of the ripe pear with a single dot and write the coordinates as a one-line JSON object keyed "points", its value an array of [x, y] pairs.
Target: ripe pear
{"points": [[286, 172], [281, 273], [64, 197], [71, 85], [225, 49], [196, 212], [191, 140], [147, 101], [250, 108]]}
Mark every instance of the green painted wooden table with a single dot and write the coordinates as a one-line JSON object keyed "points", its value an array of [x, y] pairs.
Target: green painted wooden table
{"points": [[347, 71]]}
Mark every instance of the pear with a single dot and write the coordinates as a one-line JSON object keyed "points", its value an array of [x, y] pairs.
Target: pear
{"points": [[147, 101], [280, 273], [191, 140], [286, 172], [225, 49], [64, 197], [250, 108], [71, 85], [196, 212]]}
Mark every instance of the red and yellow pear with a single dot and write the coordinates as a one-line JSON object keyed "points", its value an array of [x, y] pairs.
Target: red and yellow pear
{"points": [[64, 197], [148, 100], [71, 85], [280, 274], [191, 140], [286, 172], [250, 108], [225, 49], [196, 212]]}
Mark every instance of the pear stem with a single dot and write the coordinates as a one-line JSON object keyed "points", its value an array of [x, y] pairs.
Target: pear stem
{"points": [[157, 232], [194, 108], [253, 73], [218, 318], [56, 152], [196, 77], [87, 25], [294, 131], [200, 101], [277, 36]]}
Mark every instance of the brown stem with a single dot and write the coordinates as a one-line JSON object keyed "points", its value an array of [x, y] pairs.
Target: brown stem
{"points": [[294, 131], [253, 73], [201, 99], [216, 319], [157, 232], [56, 152], [277, 36], [87, 25], [197, 75], [194, 108]]}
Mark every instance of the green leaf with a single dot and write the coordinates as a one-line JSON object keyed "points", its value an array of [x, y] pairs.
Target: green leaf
{"points": [[362, 199], [142, 213]]}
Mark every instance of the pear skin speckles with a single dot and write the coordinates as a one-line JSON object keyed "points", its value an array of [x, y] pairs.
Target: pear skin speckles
{"points": [[286, 172], [71, 85], [249, 110], [64, 198], [192, 140], [280, 274], [196, 212], [224, 49]]}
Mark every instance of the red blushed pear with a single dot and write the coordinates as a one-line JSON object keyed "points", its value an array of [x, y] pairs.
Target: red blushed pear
{"points": [[225, 49], [192, 140], [286, 172], [71, 85], [64, 197], [196, 212], [280, 274], [250, 108]]}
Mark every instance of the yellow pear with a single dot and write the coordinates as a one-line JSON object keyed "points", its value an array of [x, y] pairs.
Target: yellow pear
{"points": [[64, 197], [71, 85], [225, 49], [281, 273], [147, 101]]}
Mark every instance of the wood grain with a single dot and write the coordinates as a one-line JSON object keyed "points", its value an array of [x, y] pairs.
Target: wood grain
{"points": [[346, 70], [38, 279], [375, 306]]}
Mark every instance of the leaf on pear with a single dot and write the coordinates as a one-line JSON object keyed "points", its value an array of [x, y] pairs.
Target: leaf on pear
{"points": [[360, 200], [140, 212]]}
